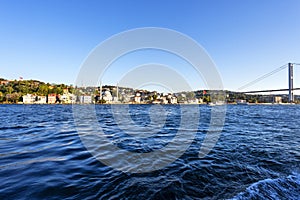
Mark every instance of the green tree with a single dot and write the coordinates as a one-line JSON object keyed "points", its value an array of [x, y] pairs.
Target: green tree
{"points": [[102, 101], [154, 97], [190, 95], [9, 89], [71, 89], [24, 89], [14, 97], [206, 99], [180, 98], [1, 96], [43, 90], [56, 89]]}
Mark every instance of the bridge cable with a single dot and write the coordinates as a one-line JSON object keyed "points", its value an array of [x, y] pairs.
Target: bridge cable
{"points": [[262, 77]]}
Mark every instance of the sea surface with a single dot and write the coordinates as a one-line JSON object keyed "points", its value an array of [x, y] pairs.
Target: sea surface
{"points": [[257, 155]]}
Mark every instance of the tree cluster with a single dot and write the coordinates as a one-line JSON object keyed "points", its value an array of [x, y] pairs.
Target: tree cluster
{"points": [[12, 91]]}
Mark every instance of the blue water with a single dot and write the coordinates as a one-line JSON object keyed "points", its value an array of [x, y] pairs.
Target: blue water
{"points": [[256, 157]]}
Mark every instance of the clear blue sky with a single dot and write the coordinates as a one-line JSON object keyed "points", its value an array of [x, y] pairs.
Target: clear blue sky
{"points": [[48, 40]]}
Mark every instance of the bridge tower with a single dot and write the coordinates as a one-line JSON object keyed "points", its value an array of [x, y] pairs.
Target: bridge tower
{"points": [[291, 85]]}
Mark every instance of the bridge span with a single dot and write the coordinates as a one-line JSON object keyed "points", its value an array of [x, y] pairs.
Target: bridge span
{"points": [[290, 89], [264, 91]]}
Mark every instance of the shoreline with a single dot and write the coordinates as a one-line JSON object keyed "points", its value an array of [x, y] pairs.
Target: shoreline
{"points": [[249, 104]]}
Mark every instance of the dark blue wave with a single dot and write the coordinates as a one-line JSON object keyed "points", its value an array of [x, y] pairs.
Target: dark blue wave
{"points": [[256, 157]]}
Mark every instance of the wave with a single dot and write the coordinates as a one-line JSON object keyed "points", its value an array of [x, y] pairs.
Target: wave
{"points": [[280, 188]]}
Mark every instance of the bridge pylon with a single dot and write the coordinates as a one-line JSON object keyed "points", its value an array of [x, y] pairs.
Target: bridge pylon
{"points": [[291, 82]]}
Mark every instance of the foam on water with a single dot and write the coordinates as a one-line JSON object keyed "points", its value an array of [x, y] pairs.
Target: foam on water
{"points": [[280, 188]]}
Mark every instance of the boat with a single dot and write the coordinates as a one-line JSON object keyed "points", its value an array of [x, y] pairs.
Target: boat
{"points": [[217, 103], [241, 102]]}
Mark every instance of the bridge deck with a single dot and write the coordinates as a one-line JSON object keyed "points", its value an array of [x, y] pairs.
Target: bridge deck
{"points": [[277, 90]]}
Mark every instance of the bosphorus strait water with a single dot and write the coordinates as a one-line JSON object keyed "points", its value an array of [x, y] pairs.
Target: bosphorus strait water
{"points": [[257, 155]]}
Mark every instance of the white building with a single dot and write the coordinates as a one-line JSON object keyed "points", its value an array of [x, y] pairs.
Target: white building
{"points": [[85, 99], [68, 98], [115, 99], [28, 99], [128, 98], [107, 96], [193, 101], [137, 97], [241, 102], [277, 99], [40, 100], [173, 100], [164, 100]]}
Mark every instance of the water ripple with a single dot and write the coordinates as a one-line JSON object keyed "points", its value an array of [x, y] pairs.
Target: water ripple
{"points": [[256, 157]]}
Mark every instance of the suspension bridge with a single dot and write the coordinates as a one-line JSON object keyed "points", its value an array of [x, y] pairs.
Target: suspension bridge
{"points": [[290, 88]]}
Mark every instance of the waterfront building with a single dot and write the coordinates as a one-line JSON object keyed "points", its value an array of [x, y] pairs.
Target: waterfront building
{"points": [[40, 100], [67, 97], [171, 99], [137, 97], [241, 102], [193, 101], [4, 82], [115, 99], [278, 99], [127, 98], [107, 96], [85, 99], [51, 99], [201, 101], [164, 100], [28, 99]]}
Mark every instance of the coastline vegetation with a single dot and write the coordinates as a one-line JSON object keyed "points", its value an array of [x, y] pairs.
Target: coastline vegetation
{"points": [[12, 91]]}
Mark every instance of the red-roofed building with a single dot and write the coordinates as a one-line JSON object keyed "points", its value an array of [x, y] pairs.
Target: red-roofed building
{"points": [[51, 99]]}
